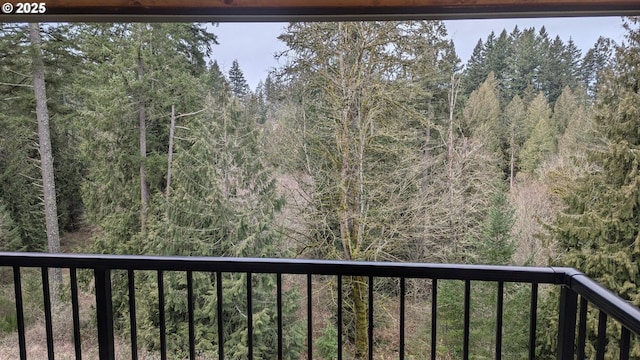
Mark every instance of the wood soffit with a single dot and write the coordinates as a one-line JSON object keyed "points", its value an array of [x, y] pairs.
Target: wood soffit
{"points": [[306, 10]]}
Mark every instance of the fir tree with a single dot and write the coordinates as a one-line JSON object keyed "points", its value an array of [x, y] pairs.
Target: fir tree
{"points": [[238, 83], [595, 62]]}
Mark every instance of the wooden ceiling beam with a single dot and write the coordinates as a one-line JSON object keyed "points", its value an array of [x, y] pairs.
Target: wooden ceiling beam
{"points": [[304, 10]]}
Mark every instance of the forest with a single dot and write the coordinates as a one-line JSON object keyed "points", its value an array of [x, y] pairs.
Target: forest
{"points": [[372, 141]]}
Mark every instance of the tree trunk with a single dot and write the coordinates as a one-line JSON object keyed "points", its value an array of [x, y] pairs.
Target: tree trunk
{"points": [[46, 156], [450, 176], [512, 156], [512, 166], [172, 130], [358, 295], [144, 191]]}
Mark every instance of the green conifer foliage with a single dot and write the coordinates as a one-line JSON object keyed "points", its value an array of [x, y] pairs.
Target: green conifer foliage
{"points": [[538, 147], [595, 62], [514, 117], [20, 174], [9, 236], [238, 83], [222, 203], [482, 116], [597, 231]]}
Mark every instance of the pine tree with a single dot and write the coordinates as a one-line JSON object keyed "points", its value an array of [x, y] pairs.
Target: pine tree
{"points": [[238, 84]]}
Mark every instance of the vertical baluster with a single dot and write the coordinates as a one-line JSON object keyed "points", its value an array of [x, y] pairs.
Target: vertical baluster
{"points": [[339, 317], [467, 319], [190, 305], [220, 323], [625, 343], [104, 313], [132, 314], [434, 317], [370, 331], [533, 321], [163, 328], [309, 319], [17, 287], [567, 323], [279, 299], [47, 311], [582, 328], [499, 309], [402, 310], [75, 313], [602, 335], [249, 317]]}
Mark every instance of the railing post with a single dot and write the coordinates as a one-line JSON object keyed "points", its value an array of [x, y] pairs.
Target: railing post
{"points": [[104, 313], [567, 323]]}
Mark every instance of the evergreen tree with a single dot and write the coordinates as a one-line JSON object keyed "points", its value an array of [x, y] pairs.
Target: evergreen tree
{"points": [[238, 84], [579, 129], [538, 147], [552, 70], [564, 110], [482, 116], [20, 175], [218, 83], [524, 61], [135, 74], [487, 57], [9, 236], [223, 203], [495, 245], [595, 62], [597, 230], [572, 58], [476, 70], [537, 109], [542, 139], [514, 118]]}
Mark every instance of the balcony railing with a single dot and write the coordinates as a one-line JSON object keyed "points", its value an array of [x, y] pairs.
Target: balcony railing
{"points": [[577, 294]]}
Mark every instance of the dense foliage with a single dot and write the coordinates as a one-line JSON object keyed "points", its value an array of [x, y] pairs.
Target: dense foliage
{"points": [[370, 142]]}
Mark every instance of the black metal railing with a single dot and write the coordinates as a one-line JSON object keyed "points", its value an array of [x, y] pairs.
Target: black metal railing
{"points": [[577, 294]]}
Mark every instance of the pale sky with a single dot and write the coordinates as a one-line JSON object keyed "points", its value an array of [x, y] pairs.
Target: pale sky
{"points": [[254, 44]]}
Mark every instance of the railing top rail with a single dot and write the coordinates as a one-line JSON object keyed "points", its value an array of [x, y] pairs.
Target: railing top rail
{"points": [[597, 295], [605, 300], [287, 266]]}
